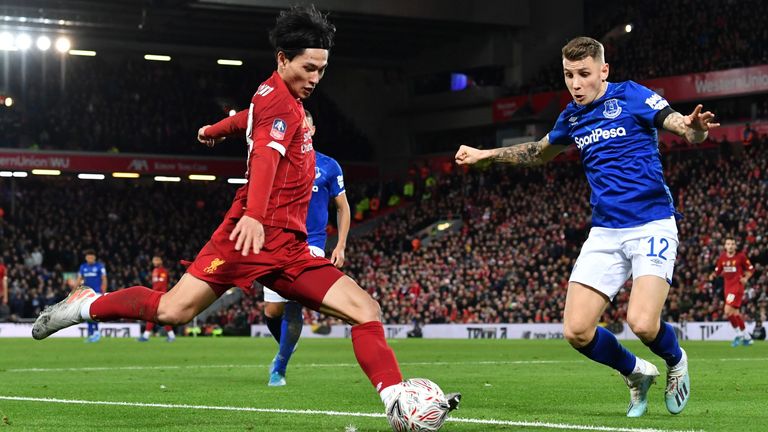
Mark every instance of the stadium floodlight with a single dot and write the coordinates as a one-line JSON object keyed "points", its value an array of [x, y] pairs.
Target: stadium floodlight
{"points": [[84, 53], [6, 173], [202, 177], [237, 181], [628, 28], [6, 42], [8, 102], [157, 57], [43, 43], [229, 62], [232, 112], [46, 172], [63, 44], [167, 179], [23, 41], [20, 174], [125, 175], [86, 176]]}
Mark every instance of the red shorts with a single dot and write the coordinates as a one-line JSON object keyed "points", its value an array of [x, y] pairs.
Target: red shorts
{"points": [[734, 296], [284, 264]]}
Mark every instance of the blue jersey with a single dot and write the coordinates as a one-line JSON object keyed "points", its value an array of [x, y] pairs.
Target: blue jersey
{"points": [[619, 149], [91, 274], [329, 183]]}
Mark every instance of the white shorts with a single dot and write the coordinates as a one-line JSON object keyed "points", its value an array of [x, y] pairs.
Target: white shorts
{"points": [[611, 255], [273, 297]]}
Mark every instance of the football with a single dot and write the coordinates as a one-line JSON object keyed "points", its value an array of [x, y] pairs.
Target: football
{"points": [[420, 406]]}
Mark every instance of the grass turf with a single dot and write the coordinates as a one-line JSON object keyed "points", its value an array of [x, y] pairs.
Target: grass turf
{"points": [[515, 381]]}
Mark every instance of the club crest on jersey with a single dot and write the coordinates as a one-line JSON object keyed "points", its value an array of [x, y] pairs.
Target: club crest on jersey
{"points": [[612, 108], [278, 129]]}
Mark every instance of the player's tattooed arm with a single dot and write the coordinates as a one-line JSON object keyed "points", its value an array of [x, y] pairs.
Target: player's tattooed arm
{"points": [[693, 127], [530, 153]]}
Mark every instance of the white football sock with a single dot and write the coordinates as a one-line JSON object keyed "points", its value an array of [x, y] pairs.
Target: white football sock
{"points": [[85, 309]]}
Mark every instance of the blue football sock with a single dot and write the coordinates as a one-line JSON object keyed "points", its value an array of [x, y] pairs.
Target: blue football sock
{"points": [[606, 349], [274, 326], [666, 346], [92, 328], [293, 321]]}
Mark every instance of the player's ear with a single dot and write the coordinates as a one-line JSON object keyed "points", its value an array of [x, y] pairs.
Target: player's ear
{"points": [[281, 60], [604, 70]]}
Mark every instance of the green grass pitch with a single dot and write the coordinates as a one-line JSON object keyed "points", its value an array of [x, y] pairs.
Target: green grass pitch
{"points": [[219, 384]]}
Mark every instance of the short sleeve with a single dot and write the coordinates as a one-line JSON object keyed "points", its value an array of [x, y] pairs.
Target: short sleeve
{"points": [[644, 103], [337, 180], [80, 271], [103, 270], [559, 133], [274, 126]]}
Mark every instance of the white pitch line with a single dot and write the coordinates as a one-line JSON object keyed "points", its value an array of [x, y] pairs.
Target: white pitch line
{"points": [[293, 365], [332, 413]]}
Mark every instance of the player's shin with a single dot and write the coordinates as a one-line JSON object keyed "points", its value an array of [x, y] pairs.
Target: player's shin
{"points": [[375, 357], [292, 323], [136, 302], [666, 346], [606, 349]]}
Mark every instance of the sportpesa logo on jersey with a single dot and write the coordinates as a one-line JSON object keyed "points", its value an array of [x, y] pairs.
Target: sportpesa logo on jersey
{"points": [[599, 134]]}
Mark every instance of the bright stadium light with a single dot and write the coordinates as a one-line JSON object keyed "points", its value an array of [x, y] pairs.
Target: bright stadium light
{"points": [[628, 28], [237, 181], [229, 62], [157, 57], [167, 179], [6, 173], [232, 112], [6, 42], [20, 174], [63, 44], [125, 175], [86, 176], [9, 102], [202, 177], [43, 43], [46, 172], [23, 42], [83, 53]]}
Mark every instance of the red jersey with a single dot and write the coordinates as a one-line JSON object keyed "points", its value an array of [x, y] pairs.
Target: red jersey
{"points": [[276, 121], [733, 268], [160, 279], [2, 272]]}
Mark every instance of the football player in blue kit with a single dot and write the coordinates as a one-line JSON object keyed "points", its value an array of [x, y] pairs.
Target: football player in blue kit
{"points": [[634, 230], [93, 274]]}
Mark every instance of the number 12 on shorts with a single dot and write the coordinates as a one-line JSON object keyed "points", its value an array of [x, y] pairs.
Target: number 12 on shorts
{"points": [[662, 242]]}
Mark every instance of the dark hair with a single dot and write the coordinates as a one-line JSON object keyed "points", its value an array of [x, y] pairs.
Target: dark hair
{"points": [[90, 252], [299, 28], [582, 47]]}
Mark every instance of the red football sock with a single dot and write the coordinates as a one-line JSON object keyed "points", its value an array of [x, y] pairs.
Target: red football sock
{"points": [[150, 326], [168, 328], [374, 355], [740, 321], [734, 320], [136, 302]]}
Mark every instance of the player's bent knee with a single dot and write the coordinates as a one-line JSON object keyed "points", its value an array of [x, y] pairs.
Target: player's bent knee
{"points": [[175, 316], [578, 336], [645, 328], [274, 310]]}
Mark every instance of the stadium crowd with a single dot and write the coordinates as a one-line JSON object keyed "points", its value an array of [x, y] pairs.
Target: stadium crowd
{"points": [[520, 234]]}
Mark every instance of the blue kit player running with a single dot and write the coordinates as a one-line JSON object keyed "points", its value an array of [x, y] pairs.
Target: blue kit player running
{"points": [[634, 229], [284, 318], [93, 275]]}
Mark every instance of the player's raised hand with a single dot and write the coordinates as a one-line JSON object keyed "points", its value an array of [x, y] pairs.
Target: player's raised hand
{"points": [[468, 155], [203, 139], [701, 121], [337, 257], [249, 235]]}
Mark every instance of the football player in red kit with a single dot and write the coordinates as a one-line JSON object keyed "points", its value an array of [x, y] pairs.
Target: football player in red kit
{"points": [[736, 270], [159, 283], [263, 236]]}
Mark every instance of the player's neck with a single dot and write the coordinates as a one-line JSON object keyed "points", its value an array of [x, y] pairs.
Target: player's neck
{"points": [[730, 255], [603, 89]]}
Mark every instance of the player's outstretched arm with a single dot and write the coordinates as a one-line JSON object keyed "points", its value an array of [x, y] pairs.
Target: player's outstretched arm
{"points": [[530, 153], [693, 127], [210, 135], [343, 219]]}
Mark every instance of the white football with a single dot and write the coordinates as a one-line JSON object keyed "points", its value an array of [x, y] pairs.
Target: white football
{"points": [[419, 406]]}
